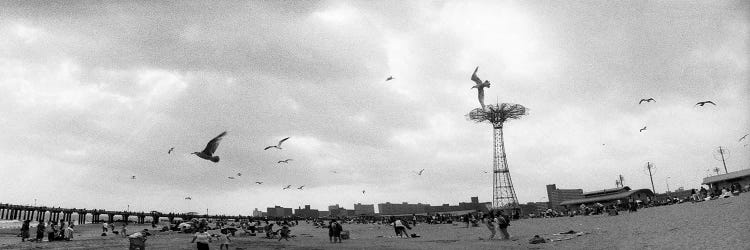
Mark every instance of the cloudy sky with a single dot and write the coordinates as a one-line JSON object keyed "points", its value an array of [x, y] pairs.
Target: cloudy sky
{"points": [[92, 93]]}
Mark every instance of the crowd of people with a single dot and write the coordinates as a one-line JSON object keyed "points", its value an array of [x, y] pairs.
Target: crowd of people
{"points": [[54, 231]]}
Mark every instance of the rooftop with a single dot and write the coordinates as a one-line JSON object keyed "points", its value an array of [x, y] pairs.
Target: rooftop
{"points": [[727, 176]]}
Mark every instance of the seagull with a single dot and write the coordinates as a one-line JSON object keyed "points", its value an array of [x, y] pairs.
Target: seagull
{"points": [[231, 177], [363, 191], [208, 152], [239, 174], [188, 198], [287, 187], [742, 138], [277, 146], [486, 172], [646, 100], [259, 182], [704, 103], [479, 86], [170, 150], [644, 128], [285, 161], [420, 172], [132, 177], [300, 187], [389, 78]]}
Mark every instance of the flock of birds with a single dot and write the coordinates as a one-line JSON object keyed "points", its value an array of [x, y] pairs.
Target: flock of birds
{"points": [[652, 100]]}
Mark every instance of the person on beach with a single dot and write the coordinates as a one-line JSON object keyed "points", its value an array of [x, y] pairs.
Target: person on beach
{"points": [[25, 230], [400, 227], [334, 231], [138, 240], [203, 239], [105, 227], [112, 227], [50, 230], [40, 229], [491, 222], [503, 222], [69, 232], [124, 230], [224, 239], [284, 233]]}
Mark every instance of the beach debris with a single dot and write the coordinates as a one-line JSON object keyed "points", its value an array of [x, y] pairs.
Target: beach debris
{"points": [[208, 152], [537, 240], [278, 146], [479, 85], [285, 161], [704, 103], [170, 150], [646, 100], [644, 128]]}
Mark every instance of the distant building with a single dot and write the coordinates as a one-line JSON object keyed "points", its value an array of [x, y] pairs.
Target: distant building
{"points": [[556, 196], [718, 182], [366, 209], [535, 208], [403, 208], [609, 196], [324, 214], [257, 213], [307, 212], [278, 211], [335, 211]]}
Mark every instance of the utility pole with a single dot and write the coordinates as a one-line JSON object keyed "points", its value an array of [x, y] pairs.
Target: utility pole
{"points": [[667, 184], [650, 175], [721, 151]]}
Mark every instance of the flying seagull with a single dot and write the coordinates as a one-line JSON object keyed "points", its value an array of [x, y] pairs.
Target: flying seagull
{"points": [[259, 182], [644, 128], [646, 100], [300, 187], [287, 187], [239, 174], [742, 138], [208, 152], [420, 172], [363, 191], [170, 150], [479, 86], [285, 161], [188, 198], [704, 103], [389, 78], [132, 177], [231, 177], [277, 146]]}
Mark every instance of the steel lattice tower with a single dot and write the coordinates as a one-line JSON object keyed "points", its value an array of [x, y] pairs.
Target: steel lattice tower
{"points": [[503, 193]]}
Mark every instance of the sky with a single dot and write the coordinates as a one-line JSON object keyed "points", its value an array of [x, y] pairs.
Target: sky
{"points": [[94, 92]]}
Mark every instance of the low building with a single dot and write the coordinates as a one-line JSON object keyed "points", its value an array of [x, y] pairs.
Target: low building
{"points": [[307, 212], [257, 213], [278, 211], [403, 208], [364, 209], [718, 182], [609, 196], [556, 196]]}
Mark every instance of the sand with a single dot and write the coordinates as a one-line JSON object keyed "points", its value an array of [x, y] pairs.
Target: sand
{"points": [[716, 224]]}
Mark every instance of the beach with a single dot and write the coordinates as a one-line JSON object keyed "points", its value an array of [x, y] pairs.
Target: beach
{"points": [[715, 224]]}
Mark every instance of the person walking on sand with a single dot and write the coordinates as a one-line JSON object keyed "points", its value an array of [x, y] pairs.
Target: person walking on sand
{"points": [[491, 222], [105, 226], [334, 231], [503, 222], [203, 239], [40, 229], [25, 230], [50, 230], [224, 239]]}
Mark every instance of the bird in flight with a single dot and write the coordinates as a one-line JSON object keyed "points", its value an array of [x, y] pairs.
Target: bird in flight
{"points": [[479, 86], [259, 182], [287, 187], [188, 198], [239, 174], [420, 172], [132, 177], [704, 103], [277, 146], [646, 100], [389, 78], [300, 187], [363, 191], [334, 171], [644, 128], [285, 161], [170, 150], [486, 172], [742, 138], [231, 177], [208, 152]]}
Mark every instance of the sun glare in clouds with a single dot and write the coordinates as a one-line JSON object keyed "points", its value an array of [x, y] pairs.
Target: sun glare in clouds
{"points": [[337, 15]]}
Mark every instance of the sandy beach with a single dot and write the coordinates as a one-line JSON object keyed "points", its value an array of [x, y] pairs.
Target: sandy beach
{"points": [[716, 224]]}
